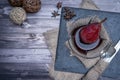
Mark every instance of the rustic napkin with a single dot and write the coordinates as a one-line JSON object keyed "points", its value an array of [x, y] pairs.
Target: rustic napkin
{"points": [[51, 40], [88, 4], [71, 26]]}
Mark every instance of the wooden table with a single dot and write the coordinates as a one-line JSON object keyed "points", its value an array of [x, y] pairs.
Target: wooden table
{"points": [[24, 54]]}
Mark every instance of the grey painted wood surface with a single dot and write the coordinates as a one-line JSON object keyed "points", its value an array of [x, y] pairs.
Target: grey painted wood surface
{"points": [[32, 64]]}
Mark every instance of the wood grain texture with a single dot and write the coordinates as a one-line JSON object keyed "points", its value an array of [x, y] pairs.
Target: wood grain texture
{"points": [[32, 64], [22, 41], [35, 26], [40, 56]]}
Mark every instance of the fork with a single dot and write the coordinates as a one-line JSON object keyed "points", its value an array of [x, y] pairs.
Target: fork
{"points": [[108, 54], [105, 49]]}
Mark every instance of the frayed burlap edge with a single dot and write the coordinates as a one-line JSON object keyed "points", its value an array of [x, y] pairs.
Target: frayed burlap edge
{"points": [[51, 41]]}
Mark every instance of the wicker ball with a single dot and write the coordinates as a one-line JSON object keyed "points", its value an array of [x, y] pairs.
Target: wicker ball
{"points": [[32, 5], [18, 15], [15, 3]]}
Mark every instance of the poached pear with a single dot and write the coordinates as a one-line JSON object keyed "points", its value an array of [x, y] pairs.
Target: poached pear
{"points": [[91, 32]]}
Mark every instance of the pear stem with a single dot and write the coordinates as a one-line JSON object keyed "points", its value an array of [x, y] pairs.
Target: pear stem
{"points": [[103, 20], [90, 21]]}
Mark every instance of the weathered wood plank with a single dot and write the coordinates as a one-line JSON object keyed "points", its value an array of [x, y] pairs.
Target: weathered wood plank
{"points": [[40, 56], [48, 78], [32, 26], [18, 45], [105, 2], [24, 71], [32, 22], [11, 37], [53, 2], [20, 67], [46, 10], [22, 41], [26, 59], [49, 1], [24, 44], [19, 30], [110, 8], [19, 52], [24, 75], [25, 55]]}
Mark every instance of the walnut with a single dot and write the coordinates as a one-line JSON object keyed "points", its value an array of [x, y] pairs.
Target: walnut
{"points": [[32, 5], [15, 3]]}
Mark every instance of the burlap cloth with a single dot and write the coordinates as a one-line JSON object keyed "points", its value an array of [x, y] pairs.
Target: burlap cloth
{"points": [[51, 40]]}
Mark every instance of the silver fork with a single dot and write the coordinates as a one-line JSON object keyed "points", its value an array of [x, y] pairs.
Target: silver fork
{"points": [[106, 48]]}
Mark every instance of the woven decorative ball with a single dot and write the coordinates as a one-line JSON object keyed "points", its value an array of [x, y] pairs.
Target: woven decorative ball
{"points": [[18, 15], [15, 3], [32, 5]]}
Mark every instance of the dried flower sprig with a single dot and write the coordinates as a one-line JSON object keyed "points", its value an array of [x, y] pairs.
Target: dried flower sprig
{"points": [[59, 5], [68, 14], [55, 13]]}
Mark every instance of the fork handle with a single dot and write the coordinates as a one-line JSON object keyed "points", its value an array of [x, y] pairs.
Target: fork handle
{"points": [[96, 71]]}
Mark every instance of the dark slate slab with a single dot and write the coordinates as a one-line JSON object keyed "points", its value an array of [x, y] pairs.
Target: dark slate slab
{"points": [[71, 64]]}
